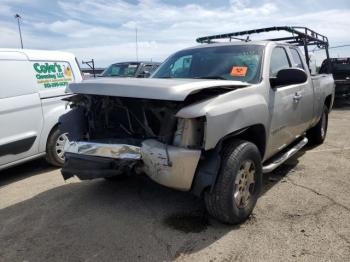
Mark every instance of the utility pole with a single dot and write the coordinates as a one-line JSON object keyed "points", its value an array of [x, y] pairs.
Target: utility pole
{"points": [[137, 45], [18, 17]]}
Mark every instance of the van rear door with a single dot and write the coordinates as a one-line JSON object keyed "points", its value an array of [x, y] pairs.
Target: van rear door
{"points": [[21, 117]]}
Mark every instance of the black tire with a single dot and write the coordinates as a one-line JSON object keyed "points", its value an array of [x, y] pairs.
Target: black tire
{"points": [[317, 134], [52, 154], [221, 203]]}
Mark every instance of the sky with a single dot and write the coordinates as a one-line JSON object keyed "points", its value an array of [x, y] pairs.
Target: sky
{"points": [[105, 29]]}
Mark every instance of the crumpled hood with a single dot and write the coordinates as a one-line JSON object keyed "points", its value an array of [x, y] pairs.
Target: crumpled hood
{"points": [[150, 88]]}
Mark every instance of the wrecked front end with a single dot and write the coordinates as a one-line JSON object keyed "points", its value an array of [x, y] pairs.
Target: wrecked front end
{"points": [[111, 136]]}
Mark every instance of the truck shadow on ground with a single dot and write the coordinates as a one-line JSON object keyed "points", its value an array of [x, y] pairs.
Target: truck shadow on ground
{"points": [[277, 176], [132, 219]]}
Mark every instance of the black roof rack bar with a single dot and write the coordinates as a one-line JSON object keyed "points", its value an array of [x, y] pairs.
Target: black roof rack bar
{"points": [[301, 36], [306, 33]]}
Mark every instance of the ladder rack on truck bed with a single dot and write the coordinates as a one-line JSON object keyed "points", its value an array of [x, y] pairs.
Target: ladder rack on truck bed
{"points": [[300, 36]]}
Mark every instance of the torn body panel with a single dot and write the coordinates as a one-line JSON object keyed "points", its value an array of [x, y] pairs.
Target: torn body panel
{"points": [[229, 113], [169, 165]]}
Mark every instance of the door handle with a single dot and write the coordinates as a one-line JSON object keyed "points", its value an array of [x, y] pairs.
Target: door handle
{"points": [[297, 96]]}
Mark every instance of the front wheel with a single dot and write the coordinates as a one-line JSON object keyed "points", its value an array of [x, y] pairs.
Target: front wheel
{"points": [[55, 147], [239, 183]]}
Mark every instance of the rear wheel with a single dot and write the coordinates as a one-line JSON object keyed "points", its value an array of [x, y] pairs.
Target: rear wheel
{"points": [[238, 185], [317, 134], [55, 147]]}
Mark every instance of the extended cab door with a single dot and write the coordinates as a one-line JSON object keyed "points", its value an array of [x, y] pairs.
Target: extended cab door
{"points": [[284, 107], [20, 109], [306, 93]]}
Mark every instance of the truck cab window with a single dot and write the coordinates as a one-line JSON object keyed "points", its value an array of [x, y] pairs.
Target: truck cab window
{"points": [[297, 62], [279, 60]]}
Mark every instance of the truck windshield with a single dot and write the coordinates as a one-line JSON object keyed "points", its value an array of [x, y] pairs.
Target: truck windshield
{"points": [[234, 62], [121, 70]]}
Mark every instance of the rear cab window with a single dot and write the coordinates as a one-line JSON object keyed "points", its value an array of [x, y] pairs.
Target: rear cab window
{"points": [[297, 61]]}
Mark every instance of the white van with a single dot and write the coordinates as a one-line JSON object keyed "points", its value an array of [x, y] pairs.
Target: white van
{"points": [[32, 86]]}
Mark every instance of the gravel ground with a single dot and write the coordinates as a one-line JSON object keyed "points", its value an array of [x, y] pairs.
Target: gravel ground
{"points": [[302, 215]]}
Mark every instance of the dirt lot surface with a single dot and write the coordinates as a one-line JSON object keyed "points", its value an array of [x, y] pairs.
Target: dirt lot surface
{"points": [[302, 215]]}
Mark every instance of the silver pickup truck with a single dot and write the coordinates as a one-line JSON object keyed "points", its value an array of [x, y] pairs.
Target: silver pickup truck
{"points": [[211, 120]]}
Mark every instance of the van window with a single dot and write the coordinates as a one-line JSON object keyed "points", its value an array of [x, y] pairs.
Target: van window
{"points": [[279, 60], [16, 78], [296, 58], [52, 74]]}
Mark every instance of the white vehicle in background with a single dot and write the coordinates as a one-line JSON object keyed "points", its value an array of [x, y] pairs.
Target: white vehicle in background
{"points": [[32, 86]]}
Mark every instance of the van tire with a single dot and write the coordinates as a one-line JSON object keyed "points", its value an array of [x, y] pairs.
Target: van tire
{"points": [[223, 202], [52, 156], [317, 134]]}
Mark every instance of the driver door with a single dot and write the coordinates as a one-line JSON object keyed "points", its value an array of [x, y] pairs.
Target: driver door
{"points": [[284, 107]]}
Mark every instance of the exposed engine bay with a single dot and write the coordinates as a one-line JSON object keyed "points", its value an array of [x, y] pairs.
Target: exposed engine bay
{"points": [[134, 120], [123, 134]]}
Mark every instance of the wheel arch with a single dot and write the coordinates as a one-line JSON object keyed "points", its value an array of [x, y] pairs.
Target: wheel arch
{"points": [[255, 134], [50, 132], [208, 167], [53, 109]]}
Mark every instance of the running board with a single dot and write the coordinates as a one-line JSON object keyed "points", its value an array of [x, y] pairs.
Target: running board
{"points": [[281, 158]]}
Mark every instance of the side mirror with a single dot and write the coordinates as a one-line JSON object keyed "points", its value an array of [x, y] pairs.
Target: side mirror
{"points": [[288, 76]]}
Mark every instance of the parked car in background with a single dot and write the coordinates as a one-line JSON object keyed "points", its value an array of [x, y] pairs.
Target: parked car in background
{"points": [[33, 83], [89, 73], [340, 68], [130, 69]]}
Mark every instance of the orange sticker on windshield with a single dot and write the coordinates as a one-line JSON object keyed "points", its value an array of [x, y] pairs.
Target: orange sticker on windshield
{"points": [[239, 71]]}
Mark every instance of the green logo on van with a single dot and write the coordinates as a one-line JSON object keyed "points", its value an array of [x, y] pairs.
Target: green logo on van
{"points": [[47, 68], [52, 74]]}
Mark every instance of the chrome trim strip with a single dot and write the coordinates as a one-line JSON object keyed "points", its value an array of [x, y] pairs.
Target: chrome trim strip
{"points": [[116, 151], [279, 160]]}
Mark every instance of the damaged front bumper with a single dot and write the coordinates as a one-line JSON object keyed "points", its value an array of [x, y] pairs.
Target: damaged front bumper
{"points": [[167, 165], [115, 151]]}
